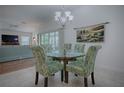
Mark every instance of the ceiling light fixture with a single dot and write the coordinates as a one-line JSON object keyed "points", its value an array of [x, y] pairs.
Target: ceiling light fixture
{"points": [[63, 17]]}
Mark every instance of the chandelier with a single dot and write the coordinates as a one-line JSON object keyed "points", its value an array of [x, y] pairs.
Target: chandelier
{"points": [[63, 17]]}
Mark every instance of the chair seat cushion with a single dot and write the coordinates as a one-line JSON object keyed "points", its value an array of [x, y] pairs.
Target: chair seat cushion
{"points": [[54, 67], [77, 67]]}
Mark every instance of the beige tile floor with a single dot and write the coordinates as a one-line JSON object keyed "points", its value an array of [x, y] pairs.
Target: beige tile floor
{"points": [[26, 77]]}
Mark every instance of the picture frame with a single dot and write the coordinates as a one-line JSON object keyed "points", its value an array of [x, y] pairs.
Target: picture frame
{"points": [[91, 34]]}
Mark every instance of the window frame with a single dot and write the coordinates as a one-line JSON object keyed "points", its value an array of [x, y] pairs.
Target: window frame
{"points": [[23, 41], [52, 37]]}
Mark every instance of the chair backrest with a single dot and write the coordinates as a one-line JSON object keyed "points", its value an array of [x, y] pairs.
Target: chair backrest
{"points": [[91, 56], [47, 47], [40, 57], [79, 48], [67, 46]]}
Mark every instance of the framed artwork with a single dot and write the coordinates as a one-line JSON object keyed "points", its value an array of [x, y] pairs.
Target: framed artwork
{"points": [[91, 34]]}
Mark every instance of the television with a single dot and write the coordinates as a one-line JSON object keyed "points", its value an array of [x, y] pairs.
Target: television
{"points": [[10, 40]]}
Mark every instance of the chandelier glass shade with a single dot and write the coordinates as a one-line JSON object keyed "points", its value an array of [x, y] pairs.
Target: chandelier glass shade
{"points": [[63, 17]]}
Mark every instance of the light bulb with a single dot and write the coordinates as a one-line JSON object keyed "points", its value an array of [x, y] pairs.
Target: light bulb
{"points": [[67, 13], [71, 17], [58, 14], [56, 18]]}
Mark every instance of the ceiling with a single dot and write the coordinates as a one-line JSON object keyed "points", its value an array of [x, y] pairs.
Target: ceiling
{"points": [[27, 16]]}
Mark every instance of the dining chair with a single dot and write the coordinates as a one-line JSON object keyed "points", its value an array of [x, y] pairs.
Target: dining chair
{"points": [[67, 47], [79, 48], [87, 67], [45, 67], [49, 48]]}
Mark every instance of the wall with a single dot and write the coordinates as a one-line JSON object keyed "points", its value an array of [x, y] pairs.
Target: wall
{"points": [[14, 32], [111, 56]]}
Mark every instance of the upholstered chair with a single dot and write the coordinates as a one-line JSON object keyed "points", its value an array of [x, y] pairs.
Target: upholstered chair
{"points": [[49, 48], [67, 47], [79, 48], [86, 68], [43, 66]]}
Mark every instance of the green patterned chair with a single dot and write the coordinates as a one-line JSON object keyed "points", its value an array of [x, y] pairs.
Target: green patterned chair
{"points": [[48, 50], [79, 48], [67, 47], [43, 66], [47, 47], [87, 67]]}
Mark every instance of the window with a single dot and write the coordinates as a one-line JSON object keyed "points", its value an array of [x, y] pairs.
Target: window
{"points": [[51, 38], [25, 40]]}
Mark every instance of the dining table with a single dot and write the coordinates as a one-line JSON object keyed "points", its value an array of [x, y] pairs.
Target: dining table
{"points": [[65, 57]]}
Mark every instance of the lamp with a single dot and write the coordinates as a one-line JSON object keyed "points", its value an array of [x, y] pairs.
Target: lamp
{"points": [[63, 17]]}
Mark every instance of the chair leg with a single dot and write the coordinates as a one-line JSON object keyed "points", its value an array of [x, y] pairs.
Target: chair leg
{"points": [[65, 72], [36, 78], [92, 77], [66, 76], [62, 75], [46, 82], [85, 82], [53, 74], [76, 75]]}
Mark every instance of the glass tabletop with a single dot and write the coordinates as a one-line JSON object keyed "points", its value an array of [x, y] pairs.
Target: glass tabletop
{"points": [[58, 53]]}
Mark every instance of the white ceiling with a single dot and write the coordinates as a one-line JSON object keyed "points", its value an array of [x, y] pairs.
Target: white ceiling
{"points": [[29, 16]]}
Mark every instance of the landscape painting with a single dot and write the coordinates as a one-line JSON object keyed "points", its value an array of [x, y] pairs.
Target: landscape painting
{"points": [[91, 34]]}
